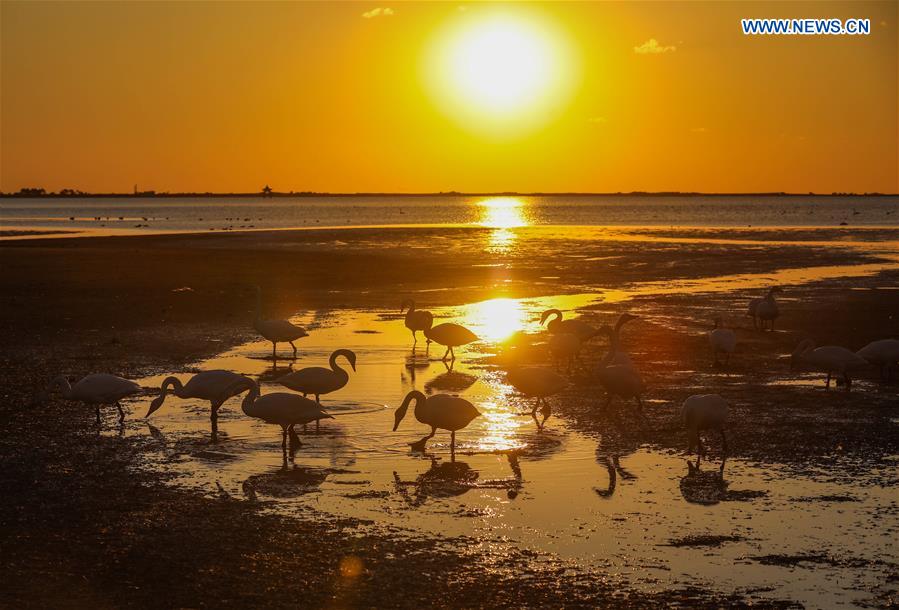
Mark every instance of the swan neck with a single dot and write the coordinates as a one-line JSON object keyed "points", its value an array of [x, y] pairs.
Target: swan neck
{"points": [[249, 401]]}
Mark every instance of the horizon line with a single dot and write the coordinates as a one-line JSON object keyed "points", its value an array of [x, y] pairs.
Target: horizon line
{"points": [[38, 193]]}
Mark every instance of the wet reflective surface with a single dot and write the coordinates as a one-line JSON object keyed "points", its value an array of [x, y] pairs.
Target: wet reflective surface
{"points": [[608, 501]]}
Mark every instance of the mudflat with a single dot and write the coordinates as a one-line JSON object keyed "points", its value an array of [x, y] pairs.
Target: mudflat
{"points": [[82, 524]]}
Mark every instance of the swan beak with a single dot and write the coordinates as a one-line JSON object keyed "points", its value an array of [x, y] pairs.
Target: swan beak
{"points": [[157, 402], [398, 417]]}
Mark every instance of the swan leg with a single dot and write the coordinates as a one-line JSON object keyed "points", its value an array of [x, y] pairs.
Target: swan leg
{"points": [[453, 444], [316, 425], [452, 353], [122, 413], [700, 449], [546, 411], [724, 449], [446, 354], [414, 338], [294, 349], [420, 444], [848, 381], [284, 439], [294, 437], [214, 421], [98, 415], [827, 385]]}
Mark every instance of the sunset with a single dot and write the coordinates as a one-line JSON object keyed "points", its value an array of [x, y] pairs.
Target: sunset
{"points": [[449, 304], [342, 97]]}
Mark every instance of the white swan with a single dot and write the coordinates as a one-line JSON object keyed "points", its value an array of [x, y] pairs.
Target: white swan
{"points": [[614, 335], [283, 409], [440, 411], [764, 309], [318, 380], [705, 412], [450, 335], [617, 374], [539, 383], [564, 346], [276, 331], [97, 389], [830, 359], [722, 340], [215, 386], [883, 353], [576, 327], [416, 319]]}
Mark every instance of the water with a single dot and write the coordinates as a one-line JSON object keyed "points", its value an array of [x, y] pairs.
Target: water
{"points": [[129, 215], [604, 502]]}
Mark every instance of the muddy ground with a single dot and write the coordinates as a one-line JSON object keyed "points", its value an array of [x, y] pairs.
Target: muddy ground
{"points": [[81, 527]]}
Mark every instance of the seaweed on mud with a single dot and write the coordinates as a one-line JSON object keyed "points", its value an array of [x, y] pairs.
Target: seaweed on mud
{"points": [[703, 540]]}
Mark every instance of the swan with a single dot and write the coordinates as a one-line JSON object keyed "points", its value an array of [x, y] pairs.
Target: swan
{"points": [[97, 389], [276, 331], [617, 374], [883, 353], [450, 335], [283, 409], [537, 383], [830, 359], [764, 309], [215, 386], [557, 325], [722, 340], [705, 412], [614, 336], [438, 411], [564, 346], [318, 380], [416, 319]]}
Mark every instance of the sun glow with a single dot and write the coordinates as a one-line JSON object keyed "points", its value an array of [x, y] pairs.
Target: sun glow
{"points": [[500, 70], [496, 319]]}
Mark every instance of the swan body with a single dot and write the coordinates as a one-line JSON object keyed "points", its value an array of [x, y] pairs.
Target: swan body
{"points": [[704, 412], [440, 411], [97, 389], [216, 386], [537, 383], [578, 328], [277, 331], [283, 409], [564, 346], [764, 309], [450, 335], [722, 341], [616, 373], [318, 380], [883, 353], [416, 319], [831, 359]]}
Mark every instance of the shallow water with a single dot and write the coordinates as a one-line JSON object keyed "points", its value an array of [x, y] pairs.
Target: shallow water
{"points": [[128, 215], [599, 503]]}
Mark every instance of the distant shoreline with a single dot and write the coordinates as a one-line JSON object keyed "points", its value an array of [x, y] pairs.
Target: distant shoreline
{"points": [[307, 194]]}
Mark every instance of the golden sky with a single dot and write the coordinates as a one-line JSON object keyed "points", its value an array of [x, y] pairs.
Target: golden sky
{"points": [[348, 97]]}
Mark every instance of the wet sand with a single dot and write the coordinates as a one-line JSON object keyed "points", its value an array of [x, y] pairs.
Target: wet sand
{"points": [[83, 524]]}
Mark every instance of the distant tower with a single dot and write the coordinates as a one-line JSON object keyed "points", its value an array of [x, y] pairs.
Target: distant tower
{"points": [[267, 191], [135, 189]]}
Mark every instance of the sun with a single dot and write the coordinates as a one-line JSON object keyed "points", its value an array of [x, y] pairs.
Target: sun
{"points": [[500, 70]]}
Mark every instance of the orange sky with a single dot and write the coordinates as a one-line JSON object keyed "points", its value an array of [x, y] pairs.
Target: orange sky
{"points": [[217, 96]]}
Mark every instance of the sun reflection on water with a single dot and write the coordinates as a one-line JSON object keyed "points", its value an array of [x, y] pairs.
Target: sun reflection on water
{"points": [[503, 214], [496, 319]]}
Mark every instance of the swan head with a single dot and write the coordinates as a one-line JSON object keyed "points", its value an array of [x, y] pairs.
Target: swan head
{"points": [[799, 352], [548, 313], [775, 290], [407, 303], [400, 413], [157, 402]]}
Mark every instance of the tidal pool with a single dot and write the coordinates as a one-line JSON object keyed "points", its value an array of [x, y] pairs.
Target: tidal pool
{"points": [[626, 510]]}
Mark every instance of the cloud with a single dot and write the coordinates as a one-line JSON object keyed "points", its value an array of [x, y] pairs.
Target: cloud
{"points": [[652, 46], [378, 12]]}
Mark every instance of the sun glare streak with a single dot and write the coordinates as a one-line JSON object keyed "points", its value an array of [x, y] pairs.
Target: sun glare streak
{"points": [[502, 214]]}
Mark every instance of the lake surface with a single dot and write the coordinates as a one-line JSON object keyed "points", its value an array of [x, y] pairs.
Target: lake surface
{"points": [[126, 215]]}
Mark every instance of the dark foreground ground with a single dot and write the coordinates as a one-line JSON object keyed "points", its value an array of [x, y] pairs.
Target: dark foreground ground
{"points": [[80, 527]]}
